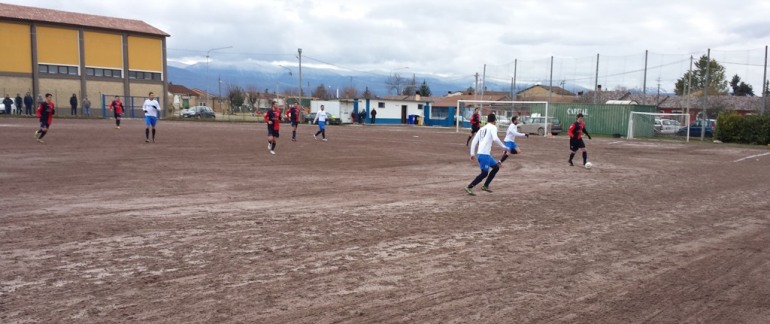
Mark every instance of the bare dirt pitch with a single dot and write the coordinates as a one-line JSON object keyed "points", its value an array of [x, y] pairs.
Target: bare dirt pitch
{"points": [[374, 227]]}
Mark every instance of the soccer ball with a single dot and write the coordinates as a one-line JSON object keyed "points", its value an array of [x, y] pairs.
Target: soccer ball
{"points": [[588, 165]]}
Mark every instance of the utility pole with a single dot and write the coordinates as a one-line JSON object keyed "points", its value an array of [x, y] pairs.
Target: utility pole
{"points": [[299, 51], [705, 97]]}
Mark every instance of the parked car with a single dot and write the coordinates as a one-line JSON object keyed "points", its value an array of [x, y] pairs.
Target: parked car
{"points": [[666, 126], [535, 125], [330, 119], [199, 112], [695, 128]]}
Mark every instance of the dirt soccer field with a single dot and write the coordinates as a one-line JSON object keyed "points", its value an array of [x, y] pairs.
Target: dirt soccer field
{"points": [[374, 227]]}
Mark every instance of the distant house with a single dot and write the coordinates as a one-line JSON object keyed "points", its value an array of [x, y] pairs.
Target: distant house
{"points": [[182, 97], [543, 93]]}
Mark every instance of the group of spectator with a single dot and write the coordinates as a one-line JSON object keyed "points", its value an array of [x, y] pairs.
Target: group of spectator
{"points": [[27, 103], [360, 118]]}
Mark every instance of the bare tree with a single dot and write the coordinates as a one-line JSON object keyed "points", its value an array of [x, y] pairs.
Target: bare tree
{"points": [[236, 95], [321, 92], [252, 96], [349, 92], [395, 82]]}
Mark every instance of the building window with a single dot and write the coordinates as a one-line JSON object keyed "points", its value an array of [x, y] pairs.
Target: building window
{"points": [[58, 69], [380, 105], [99, 72], [117, 73], [139, 75], [108, 73], [89, 71], [439, 113]]}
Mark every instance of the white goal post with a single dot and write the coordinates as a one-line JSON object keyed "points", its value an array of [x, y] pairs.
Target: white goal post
{"points": [[644, 123], [507, 106]]}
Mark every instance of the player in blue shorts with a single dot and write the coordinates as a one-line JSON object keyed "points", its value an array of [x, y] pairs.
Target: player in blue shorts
{"points": [[151, 109], [320, 117], [484, 139], [510, 138]]}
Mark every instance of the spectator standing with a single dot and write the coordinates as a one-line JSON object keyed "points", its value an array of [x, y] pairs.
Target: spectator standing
{"points": [[362, 116], [86, 107], [28, 101], [374, 115], [74, 105], [19, 103], [353, 116], [8, 102]]}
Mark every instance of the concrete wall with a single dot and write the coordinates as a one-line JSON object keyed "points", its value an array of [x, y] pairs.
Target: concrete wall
{"points": [[13, 85], [62, 90]]}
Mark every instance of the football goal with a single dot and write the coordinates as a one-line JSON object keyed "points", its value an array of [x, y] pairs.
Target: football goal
{"points": [[658, 125], [503, 109]]}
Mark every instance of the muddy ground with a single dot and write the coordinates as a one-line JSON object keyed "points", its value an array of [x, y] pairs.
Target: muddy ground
{"points": [[374, 226]]}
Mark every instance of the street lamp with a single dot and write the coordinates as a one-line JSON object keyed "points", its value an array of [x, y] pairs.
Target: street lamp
{"points": [[207, 68]]}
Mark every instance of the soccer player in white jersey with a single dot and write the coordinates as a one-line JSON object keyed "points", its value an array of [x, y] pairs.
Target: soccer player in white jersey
{"points": [[320, 117], [484, 139], [510, 138], [151, 109]]}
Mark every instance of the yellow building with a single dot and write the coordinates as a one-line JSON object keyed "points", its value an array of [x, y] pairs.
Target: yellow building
{"points": [[66, 53]]}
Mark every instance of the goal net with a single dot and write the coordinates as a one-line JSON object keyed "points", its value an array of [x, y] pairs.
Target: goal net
{"points": [[659, 125], [503, 109]]}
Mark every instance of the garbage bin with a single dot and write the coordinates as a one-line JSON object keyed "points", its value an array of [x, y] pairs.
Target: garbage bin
{"points": [[411, 120], [419, 120]]}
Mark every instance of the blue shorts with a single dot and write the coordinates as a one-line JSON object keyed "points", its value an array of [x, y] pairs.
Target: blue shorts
{"points": [[511, 146], [150, 120], [272, 132], [321, 125], [486, 161]]}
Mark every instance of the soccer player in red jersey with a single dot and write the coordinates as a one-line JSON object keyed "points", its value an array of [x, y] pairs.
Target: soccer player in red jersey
{"points": [[45, 112], [475, 125], [273, 119], [293, 115], [575, 132], [117, 108]]}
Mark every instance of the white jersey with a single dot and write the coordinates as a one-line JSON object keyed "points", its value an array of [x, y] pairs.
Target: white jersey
{"points": [[151, 108], [484, 139], [320, 116], [512, 133]]}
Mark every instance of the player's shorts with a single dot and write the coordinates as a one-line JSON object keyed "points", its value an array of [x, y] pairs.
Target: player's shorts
{"points": [[44, 124], [321, 125], [475, 128], [576, 144], [486, 161], [294, 123], [512, 146], [118, 115], [150, 121], [272, 132]]}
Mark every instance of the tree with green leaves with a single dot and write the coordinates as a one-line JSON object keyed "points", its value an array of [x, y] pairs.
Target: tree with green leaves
{"points": [[740, 88], [717, 82], [424, 89]]}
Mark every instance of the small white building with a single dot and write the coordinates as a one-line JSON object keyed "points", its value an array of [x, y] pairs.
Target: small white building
{"points": [[389, 111]]}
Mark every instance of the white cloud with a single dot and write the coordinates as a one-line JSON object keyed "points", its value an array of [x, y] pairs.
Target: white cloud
{"points": [[435, 36]]}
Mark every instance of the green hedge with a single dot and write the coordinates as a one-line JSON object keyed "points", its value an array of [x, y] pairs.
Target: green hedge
{"points": [[734, 128]]}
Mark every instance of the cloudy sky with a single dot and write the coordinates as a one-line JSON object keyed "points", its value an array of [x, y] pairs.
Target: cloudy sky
{"points": [[455, 39]]}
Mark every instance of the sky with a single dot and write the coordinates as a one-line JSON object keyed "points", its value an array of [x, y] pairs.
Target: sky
{"points": [[456, 39]]}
